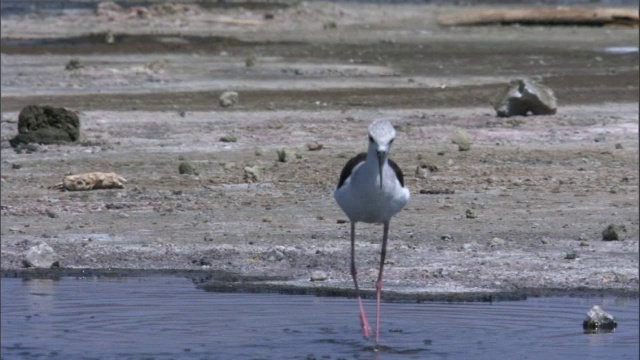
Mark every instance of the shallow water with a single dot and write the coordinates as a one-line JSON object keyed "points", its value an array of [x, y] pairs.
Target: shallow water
{"points": [[169, 318]]}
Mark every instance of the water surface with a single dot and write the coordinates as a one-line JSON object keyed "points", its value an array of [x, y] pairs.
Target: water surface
{"points": [[169, 318]]}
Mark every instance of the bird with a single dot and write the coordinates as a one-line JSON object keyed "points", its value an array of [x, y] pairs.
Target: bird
{"points": [[371, 189]]}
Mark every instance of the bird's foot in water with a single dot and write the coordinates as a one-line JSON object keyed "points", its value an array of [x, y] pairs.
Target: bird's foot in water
{"points": [[366, 329]]}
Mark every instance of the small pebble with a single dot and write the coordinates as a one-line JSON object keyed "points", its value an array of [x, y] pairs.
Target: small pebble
{"points": [[318, 275]]}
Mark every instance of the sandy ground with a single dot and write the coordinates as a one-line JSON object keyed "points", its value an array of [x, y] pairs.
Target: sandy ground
{"points": [[544, 186]]}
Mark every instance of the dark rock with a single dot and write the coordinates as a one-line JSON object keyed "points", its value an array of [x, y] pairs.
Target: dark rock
{"points": [[470, 214], [186, 168], [229, 138], [524, 97], [598, 321], [73, 64], [571, 255], [436, 191], [46, 125], [614, 232]]}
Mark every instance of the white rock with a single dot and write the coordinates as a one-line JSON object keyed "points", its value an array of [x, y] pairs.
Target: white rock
{"points": [[41, 256]]}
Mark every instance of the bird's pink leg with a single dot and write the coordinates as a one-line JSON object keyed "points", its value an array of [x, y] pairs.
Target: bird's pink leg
{"points": [[366, 330], [383, 253]]}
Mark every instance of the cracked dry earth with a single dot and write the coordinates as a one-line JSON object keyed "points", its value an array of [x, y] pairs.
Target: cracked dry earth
{"points": [[540, 186]]}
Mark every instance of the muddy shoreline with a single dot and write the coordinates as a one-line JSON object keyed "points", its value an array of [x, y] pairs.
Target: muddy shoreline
{"points": [[542, 186]]}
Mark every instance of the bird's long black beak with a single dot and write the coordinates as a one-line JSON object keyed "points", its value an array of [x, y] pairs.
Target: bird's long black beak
{"points": [[381, 159]]}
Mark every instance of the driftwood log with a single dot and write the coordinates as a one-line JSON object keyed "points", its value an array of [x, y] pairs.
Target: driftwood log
{"points": [[544, 16], [90, 181]]}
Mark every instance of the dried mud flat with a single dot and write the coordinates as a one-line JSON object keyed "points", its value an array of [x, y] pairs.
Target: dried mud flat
{"points": [[541, 186]]}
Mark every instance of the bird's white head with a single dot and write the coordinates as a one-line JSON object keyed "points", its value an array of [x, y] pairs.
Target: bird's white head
{"points": [[381, 135]]}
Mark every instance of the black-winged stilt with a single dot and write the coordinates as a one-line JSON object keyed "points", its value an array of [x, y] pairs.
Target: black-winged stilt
{"points": [[371, 190]]}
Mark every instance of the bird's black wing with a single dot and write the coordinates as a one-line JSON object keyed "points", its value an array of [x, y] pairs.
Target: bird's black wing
{"points": [[396, 169], [350, 165]]}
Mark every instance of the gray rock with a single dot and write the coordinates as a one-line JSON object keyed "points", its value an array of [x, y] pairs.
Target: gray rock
{"points": [[524, 97], [496, 241], [286, 154], [471, 214], [41, 256], [598, 321], [314, 146], [251, 174], [318, 275], [600, 138], [446, 237], [462, 139], [229, 98], [424, 170], [250, 61], [614, 232]]}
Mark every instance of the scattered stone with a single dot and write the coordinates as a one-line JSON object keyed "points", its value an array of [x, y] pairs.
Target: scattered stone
{"points": [[46, 125], [341, 221], [109, 38], [314, 146], [251, 174], [462, 139], [600, 138], [330, 25], [275, 125], [250, 61], [286, 154], [74, 64], [186, 168], [619, 146], [446, 237], [467, 246], [424, 170], [571, 255], [470, 214], [229, 165], [598, 321], [209, 238], [267, 219], [229, 138], [524, 97], [318, 275], [16, 166], [496, 241], [41, 256], [614, 232], [583, 237], [228, 98], [52, 214]]}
